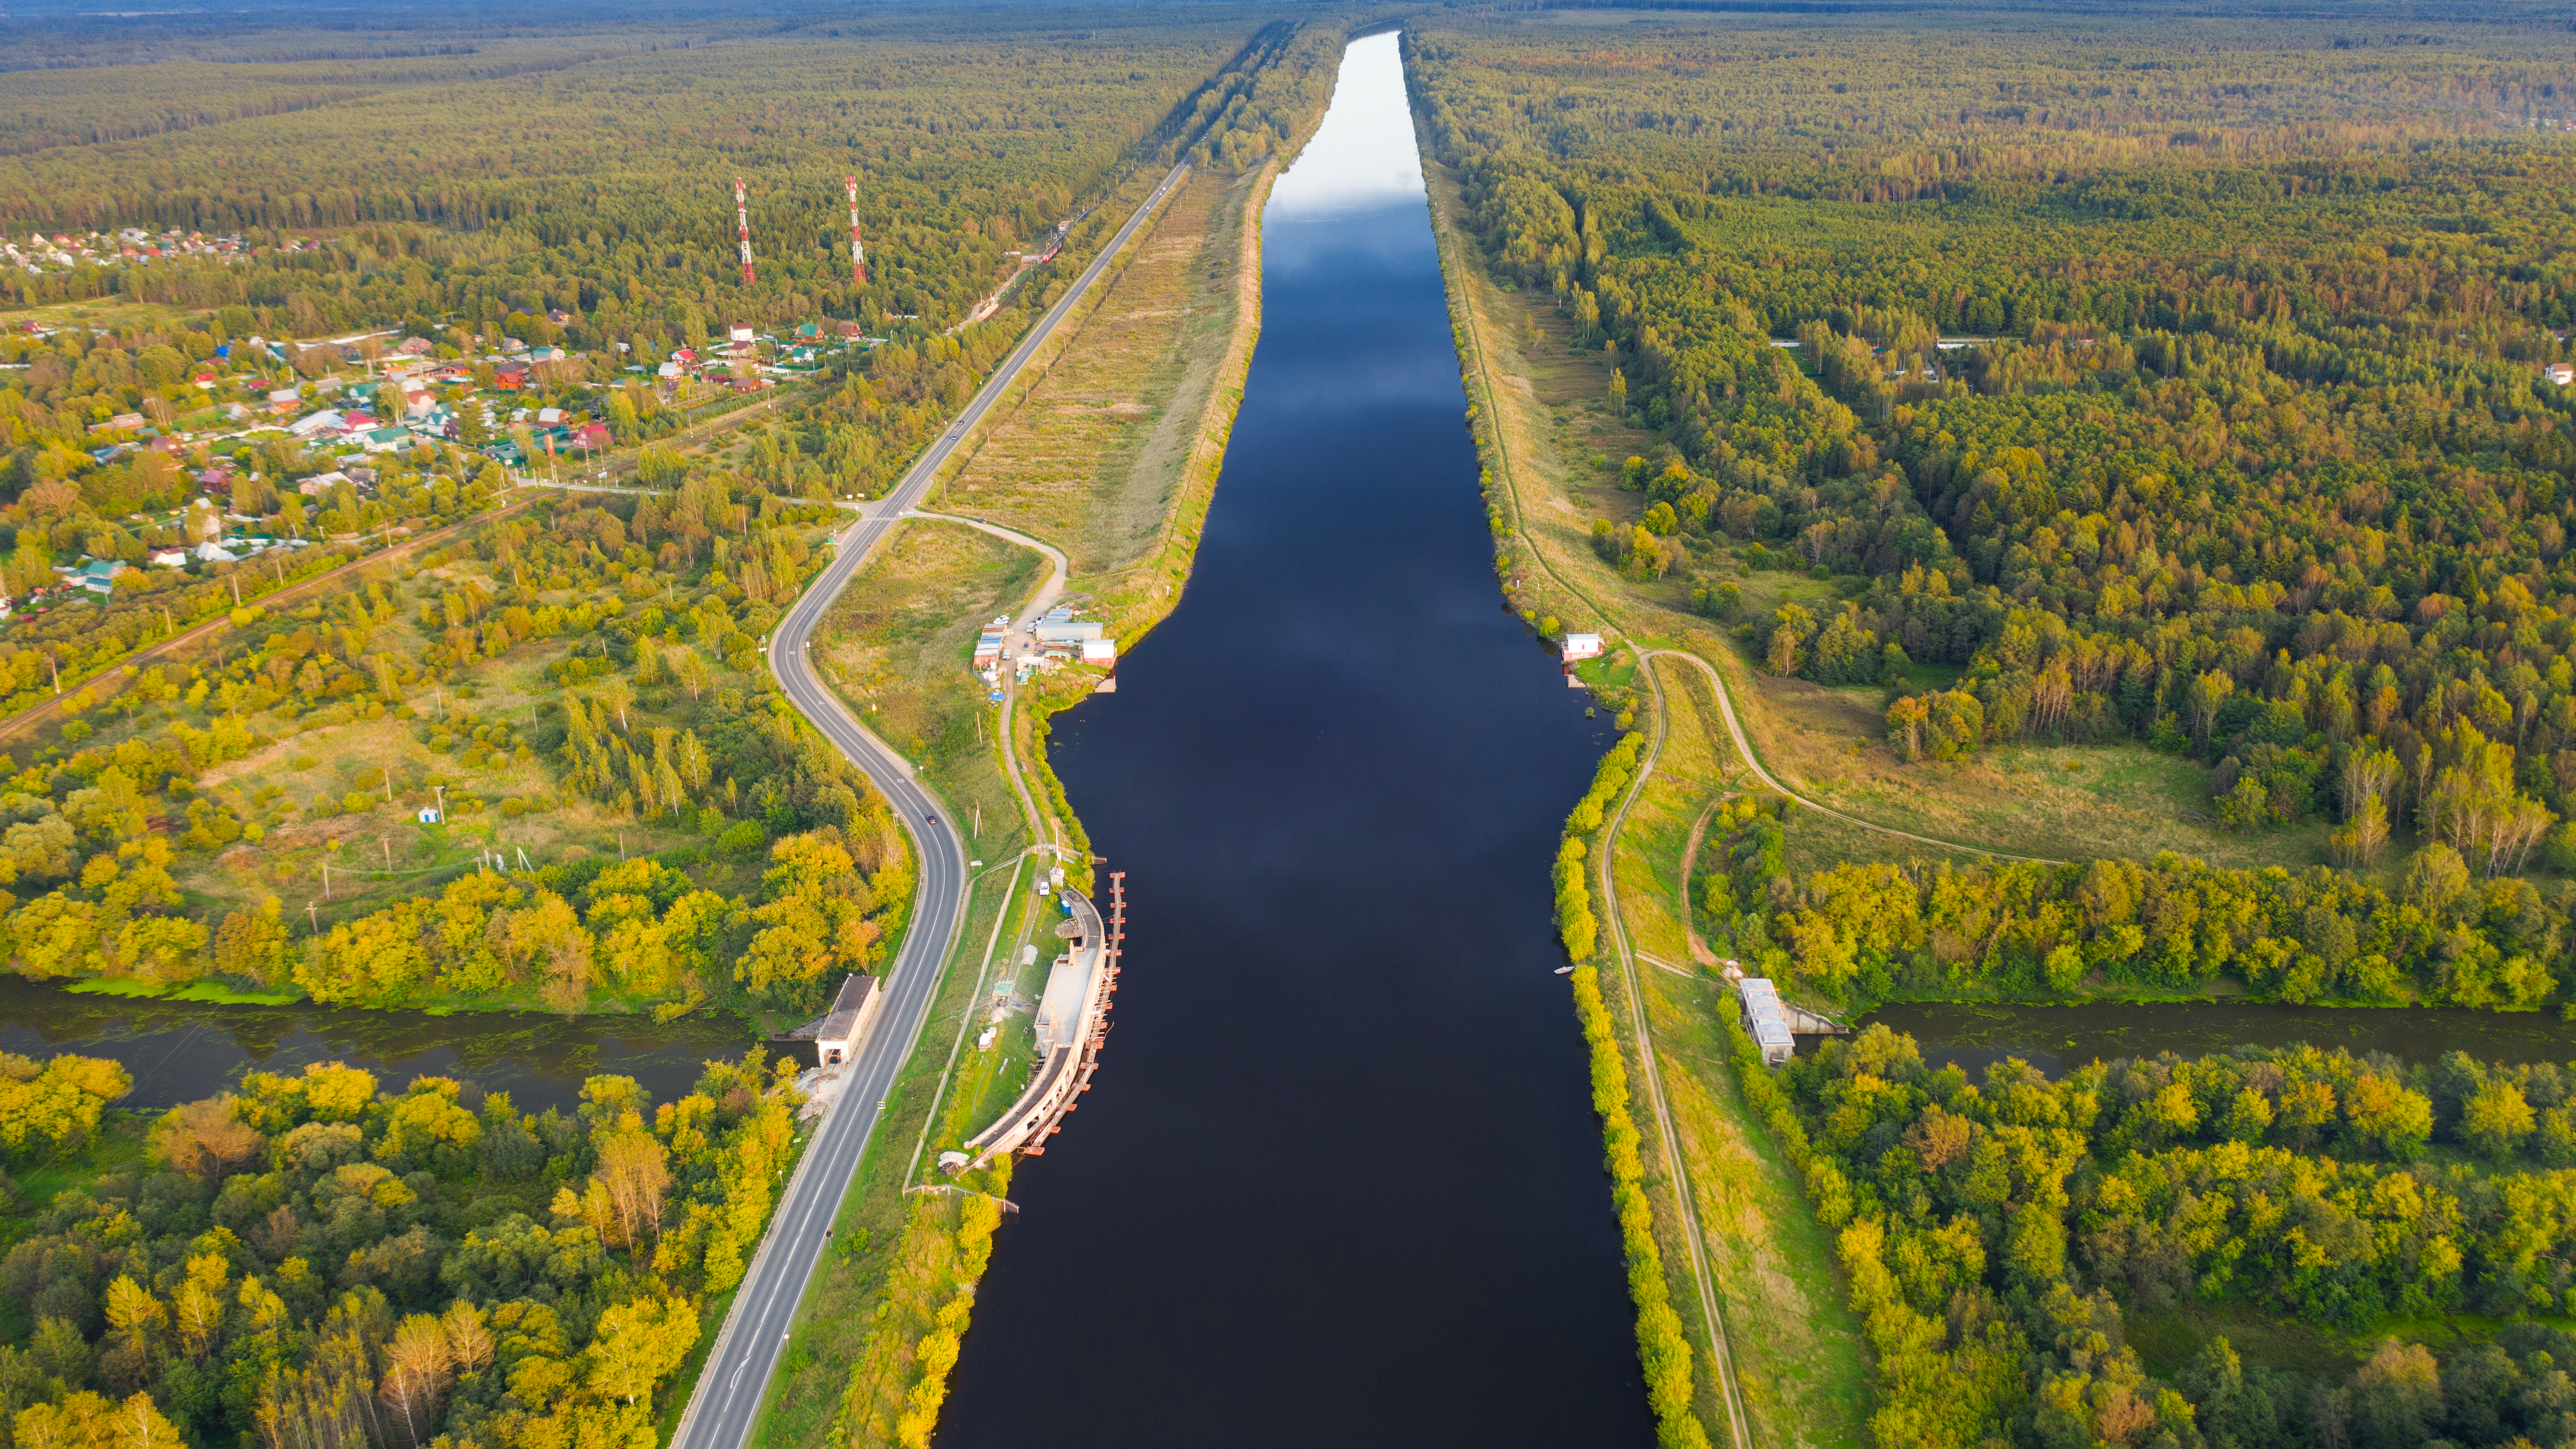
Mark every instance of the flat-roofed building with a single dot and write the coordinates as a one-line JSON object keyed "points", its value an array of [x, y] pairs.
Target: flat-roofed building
{"points": [[1766, 1020]]}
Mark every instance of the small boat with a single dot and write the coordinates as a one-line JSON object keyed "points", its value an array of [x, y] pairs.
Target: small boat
{"points": [[1565, 970]]}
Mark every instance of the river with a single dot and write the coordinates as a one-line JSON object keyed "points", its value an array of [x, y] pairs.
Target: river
{"points": [[2052, 1038], [184, 1051], [1338, 1180]]}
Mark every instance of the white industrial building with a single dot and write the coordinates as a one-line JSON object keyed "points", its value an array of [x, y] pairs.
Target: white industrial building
{"points": [[1766, 1020]]}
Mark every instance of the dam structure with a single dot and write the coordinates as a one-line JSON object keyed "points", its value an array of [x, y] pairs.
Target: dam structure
{"points": [[1072, 1022]]}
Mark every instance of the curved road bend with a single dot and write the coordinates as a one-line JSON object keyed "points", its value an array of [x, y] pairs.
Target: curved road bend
{"points": [[1753, 762], [727, 1398], [1060, 568]]}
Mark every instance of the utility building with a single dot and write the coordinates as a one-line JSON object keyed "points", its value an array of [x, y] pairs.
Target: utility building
{"points": [[1058, 626], [836, 1034], [1764, 1018]]}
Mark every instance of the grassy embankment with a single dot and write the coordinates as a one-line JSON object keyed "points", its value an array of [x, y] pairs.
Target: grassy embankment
{"points": [[1110, 453], [1551, 449], [1797, 1354], [1795, 1344]]}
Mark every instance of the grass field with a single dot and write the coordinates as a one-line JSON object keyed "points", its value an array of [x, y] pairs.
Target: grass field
{"points": [[1089, 458], [1797, 1348], [896, 646], [358, 754], [1098, 459], [2169, 1338]]}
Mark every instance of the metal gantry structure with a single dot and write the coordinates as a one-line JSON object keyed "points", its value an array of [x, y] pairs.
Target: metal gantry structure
{"points": [[742, 219], [858, 254]]}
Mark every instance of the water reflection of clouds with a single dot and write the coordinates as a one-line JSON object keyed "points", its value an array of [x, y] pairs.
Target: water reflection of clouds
{"points": [[1383, 244], [1378, 381], [1363, 154]]}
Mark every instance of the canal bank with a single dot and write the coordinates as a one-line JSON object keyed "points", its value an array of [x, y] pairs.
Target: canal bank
{"points": [[1339, 1179], [1138, 399]]}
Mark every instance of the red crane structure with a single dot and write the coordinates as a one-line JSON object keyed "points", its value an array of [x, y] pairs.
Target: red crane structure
{"points": [[858, 254], [742, 219]]}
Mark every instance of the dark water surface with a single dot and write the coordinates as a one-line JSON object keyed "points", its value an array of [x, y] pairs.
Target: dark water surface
{"points": [[2055, 1037], [1338, 1181], [182, 1051]]}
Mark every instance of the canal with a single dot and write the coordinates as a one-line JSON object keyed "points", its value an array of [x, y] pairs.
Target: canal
{"points": [[2053, 1038], [1338, 1180], [185, 1051]]}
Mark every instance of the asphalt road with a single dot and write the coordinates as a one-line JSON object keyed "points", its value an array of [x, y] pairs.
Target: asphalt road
{"points": [[727, 1398]]}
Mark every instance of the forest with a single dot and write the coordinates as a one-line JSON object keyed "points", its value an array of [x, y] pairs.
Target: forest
{"points": [[2197, 397], [312, 1261], [1861, 932], [1999, 1234], [2124, 380], [598, 185]]}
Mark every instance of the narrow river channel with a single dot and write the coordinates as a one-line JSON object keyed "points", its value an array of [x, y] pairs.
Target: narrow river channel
{"points": [[182, 1051], [2054, 1038], [1338, 1181]]}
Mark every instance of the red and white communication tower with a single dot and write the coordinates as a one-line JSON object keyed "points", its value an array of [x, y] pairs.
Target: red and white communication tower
{"points": [[858, 254], [742, 218]]}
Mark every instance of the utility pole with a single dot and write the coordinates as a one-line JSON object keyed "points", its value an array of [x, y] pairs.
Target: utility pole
{"points": [[313, 916], [326, 877], [236, 581], [387, 842], [442, 803], [389, 784]]}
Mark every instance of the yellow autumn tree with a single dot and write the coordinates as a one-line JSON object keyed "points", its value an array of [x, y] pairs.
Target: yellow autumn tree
{"points": [[815, 917], [56, 1103]]}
